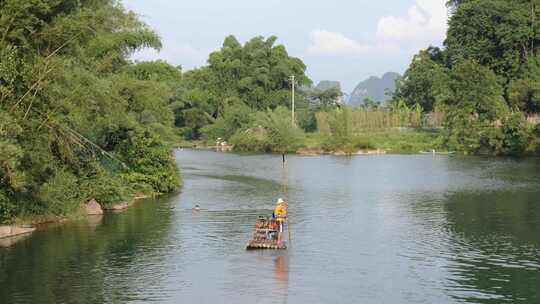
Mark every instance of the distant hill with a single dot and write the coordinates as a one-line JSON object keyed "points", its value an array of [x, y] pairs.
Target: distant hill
{"points": [[327, 84], [374, 88]]}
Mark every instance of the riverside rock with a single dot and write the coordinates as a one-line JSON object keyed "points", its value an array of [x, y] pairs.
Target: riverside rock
{"points": [[9, 231], [93, 208]]}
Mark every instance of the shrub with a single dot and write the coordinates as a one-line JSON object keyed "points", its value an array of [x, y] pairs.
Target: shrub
{"points": [[536, 130], [150, 164], [306, 119], [7, 208], [106, 188], [361, 142], [215, 130], [61, 194], [281, 135], [249, 141], [236, 116], [515, 133]]}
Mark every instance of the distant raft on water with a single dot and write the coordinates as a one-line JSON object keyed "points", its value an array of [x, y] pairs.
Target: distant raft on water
{"points": [[267, 235]]}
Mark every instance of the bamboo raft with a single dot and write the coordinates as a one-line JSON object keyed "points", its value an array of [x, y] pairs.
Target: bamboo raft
{"points": [[266, 236]]}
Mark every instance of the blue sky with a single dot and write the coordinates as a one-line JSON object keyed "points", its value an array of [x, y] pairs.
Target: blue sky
{"points": [[343, 40]]}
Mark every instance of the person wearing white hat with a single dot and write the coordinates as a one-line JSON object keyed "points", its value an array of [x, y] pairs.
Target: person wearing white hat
{"points": [[280, 212]]}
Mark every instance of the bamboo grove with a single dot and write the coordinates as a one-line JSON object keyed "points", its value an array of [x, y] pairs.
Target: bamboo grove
{"points": [[78, 119]]}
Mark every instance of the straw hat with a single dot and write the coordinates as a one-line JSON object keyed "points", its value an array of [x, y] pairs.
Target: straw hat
{"points": [[280, 201]]}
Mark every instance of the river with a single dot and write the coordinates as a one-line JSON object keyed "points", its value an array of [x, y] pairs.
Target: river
{"points": [[368, 229]]}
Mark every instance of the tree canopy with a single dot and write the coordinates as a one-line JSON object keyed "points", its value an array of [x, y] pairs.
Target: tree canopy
{"points": [[484, 78], [255, 74], [79, 120]]}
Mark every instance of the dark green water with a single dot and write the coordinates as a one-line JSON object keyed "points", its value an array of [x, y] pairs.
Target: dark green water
{"points": [[384, 229]]}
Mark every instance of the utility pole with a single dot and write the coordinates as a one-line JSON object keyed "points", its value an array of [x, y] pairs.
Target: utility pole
{"points": [[292, 100]]}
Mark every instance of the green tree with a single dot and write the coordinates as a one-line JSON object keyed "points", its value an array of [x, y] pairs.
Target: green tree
{"points": [[255, 74], [282, 136], [424, 83], [474, 105], [325, 99], [516, 134], [70, 100], [236, 116], [370, 105], [502, 35], [524, 93]]}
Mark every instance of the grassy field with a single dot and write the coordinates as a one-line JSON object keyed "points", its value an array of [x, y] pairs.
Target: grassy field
{"points": [[398, 141]]}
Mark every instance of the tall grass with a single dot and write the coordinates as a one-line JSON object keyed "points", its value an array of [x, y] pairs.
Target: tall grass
{"points": [[398, 116]]}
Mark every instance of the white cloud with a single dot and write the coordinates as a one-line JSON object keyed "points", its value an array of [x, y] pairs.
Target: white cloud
{"points": [[326, 42], [425, 23]]}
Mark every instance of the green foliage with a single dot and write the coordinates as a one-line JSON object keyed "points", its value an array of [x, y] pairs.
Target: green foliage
{"points": [[341, 136], [512, 137], [535, 142], [325, 99], [424, 83], [499, 34], [370, 105], [474, 90], [491, 55], [254, 76], [281, 135], [464, 133], [61, 193], [348, 145], [11, 154], [269, 131], [348, 131], [150, 162], [8, 209], [306, 119], [516, 134], [524, 93], [70, 100], [108, 188], [193, 119], [392, 140], [236, 116], [536, 130], [341, 124], [474, 105], [250, 140], [396, 116]]}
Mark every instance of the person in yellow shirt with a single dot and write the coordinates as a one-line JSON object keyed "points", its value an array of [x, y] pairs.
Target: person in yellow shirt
{"points": [[280, 213]]}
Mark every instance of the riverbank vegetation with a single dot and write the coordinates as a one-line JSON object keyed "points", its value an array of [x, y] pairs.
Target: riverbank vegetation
{"points": [[78, 119], [476, 95], [243, 96], [485, 79]]}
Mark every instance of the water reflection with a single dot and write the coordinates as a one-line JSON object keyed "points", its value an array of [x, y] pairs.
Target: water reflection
{"points": [[80, 262], [385, 229], [10, 241], [495, 246], [281, 271]]}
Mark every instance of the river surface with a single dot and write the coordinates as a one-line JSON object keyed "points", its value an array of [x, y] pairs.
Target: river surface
{"points": [[381, 229]]}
